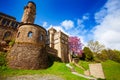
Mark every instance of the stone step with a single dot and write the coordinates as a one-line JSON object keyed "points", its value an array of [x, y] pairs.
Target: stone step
{"points": [[96, 70]]}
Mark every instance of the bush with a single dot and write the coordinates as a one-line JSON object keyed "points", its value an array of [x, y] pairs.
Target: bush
{"points": [[2, 59], [88, 55], [11, 43]]}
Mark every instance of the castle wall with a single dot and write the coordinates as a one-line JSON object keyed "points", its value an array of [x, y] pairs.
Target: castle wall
{"points": [[29, 51], [27, 56], [4, 30], [8, 27], [38, 35]]}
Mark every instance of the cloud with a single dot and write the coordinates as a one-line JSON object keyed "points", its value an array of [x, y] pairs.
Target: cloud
{"points": [[45, 24], [108, 30], [67, 24], [85, 16], [80, 23], [99, 16]]}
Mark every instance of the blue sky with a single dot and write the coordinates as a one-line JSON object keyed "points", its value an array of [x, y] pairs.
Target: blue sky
{"points": [[87, 19]]}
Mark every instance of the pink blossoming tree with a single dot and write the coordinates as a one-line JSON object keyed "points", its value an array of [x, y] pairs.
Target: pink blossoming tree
{"points": [[75, 46]]}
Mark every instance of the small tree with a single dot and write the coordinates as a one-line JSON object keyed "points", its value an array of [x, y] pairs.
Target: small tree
{"points": [[88, 54], [75, 46], [95, 46]]}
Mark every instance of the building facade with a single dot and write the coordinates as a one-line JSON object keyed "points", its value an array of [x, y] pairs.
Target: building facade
{"points": [[8, 27], [59, 41]]}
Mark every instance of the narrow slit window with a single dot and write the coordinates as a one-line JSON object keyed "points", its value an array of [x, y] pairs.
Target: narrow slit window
{"points": [[41, 37], [18, 34]]}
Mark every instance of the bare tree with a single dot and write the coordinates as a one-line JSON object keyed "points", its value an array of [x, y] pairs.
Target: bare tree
{"points": [[95, 46]]}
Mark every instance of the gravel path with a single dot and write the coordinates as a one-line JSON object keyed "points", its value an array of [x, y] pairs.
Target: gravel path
{"points": [[34, 77]]}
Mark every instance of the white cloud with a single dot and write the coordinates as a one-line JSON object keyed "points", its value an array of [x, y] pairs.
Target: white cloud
{"points": [[85, 16], [99, 16], [80, 23], [45, 24], [67, 24], [108, 30]]}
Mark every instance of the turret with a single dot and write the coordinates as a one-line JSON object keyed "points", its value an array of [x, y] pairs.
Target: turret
{"points": [[51, 34], [29, 13]]}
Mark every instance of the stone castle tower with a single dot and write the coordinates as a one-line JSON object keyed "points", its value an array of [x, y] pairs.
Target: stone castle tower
{"points": [[59, 41], [29, 13], [29, 51]]}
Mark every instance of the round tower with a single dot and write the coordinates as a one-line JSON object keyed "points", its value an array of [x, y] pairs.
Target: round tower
{"points": [[29, 50], [29, 13]]}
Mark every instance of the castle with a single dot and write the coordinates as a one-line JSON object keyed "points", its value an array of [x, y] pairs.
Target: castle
{"points": [[33, 43]]}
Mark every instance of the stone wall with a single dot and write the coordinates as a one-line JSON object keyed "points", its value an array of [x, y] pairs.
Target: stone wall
{"points": [[4, 29], [27, 56], [37, 33]]}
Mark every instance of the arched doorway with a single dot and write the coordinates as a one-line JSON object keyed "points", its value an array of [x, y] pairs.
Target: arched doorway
{"points": [[7, 36]]}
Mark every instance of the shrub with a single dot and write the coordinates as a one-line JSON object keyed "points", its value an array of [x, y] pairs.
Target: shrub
{"points": [[11, 43], [88, 55], [2, 59]]}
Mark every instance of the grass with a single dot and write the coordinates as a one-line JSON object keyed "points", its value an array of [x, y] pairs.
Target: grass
{"points": [[77, 69], [84, 64], [58, 69], [111, 70]]}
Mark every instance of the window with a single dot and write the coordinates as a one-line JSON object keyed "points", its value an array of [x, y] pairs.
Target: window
{"points": [[41, 37], [30, 34], [4, 21], [18, 34], [7, 35], [13, 23], [0, 17]]}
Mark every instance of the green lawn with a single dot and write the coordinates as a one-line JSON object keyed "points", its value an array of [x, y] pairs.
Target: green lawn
{"points": [[111, 70], [77, 69], [84, 64], [58, 69]]}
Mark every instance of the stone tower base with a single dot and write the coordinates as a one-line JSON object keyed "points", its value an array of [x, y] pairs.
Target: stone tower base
{"points": [[27, 56]]}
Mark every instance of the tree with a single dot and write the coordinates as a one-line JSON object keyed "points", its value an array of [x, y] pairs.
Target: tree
{"points": [[88, 54], [75, 46], [109, 54], [95, 46]]}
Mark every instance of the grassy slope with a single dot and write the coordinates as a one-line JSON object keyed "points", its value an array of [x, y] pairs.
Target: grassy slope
{"points": [[111, 70], [58, 69]]}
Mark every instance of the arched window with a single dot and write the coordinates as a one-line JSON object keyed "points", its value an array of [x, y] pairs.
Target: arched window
{"points": [[18, 34], [41, 37], [30, 34], [7, 36]]}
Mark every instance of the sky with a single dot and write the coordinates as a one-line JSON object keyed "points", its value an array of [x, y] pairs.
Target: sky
{"points": [[97, 20]]}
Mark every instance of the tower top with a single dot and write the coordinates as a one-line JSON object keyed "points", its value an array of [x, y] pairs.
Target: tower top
{"points": [[29, 3], [29, 13]]}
